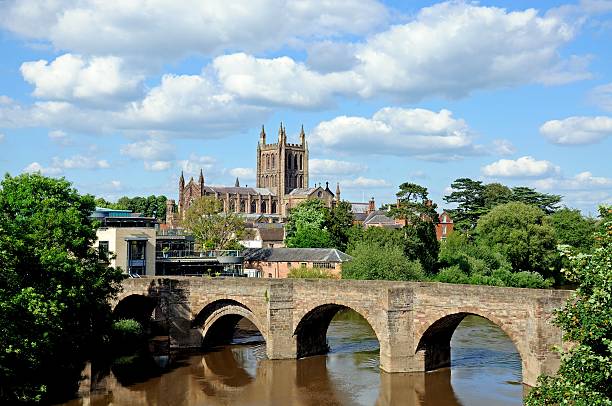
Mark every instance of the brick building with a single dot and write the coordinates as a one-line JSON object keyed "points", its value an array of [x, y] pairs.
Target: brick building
{"points": [[278, 262]]}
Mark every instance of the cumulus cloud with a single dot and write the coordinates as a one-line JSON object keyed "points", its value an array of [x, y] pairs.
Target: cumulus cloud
{"points": [[60, 137], [363, 182], [243, 173], [582, 181], [156, 166], [280, 81], [80, 162], [36, 167], [334, 167], [503, 147], [195, 162], [171, 29], [72, 77], [150, 149], [523, 167], [396, 131], [577, 130]]}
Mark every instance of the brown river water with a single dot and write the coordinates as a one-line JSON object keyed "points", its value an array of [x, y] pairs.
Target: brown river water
{"points": [[486, 371]]}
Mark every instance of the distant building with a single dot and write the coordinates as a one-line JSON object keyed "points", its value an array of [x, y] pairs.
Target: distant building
{"points": [[265, 236], [281, 184], [129, 238], [444, 227], [278, 262]]}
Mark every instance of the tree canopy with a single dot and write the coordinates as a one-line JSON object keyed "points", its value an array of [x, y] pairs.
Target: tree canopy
{"points": [[211, 227], [152, 206], [522, 233], [374, 261], [54, 290], [311, 224], [585, 374]]}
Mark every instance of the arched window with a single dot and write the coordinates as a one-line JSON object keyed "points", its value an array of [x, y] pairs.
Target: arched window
{"points": [[289, 158], [273, 161], [301, 161], [301, 179], [295, 161], [253, 206], [267, 161], [232, 205], [263, 207], [273, 207], [242, 206]]}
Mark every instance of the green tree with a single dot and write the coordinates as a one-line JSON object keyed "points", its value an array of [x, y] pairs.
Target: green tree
{"points": [[468, 195], [310, 237], [585, 373], [54, 290], [210, 226], [546, 202], [152, 206], [573, 229], [495, 194], [521, 232], [339, 222], [373, 261], [309, 213]]}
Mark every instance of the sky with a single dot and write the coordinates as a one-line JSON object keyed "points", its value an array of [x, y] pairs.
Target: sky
{"points": [[120, 97]]}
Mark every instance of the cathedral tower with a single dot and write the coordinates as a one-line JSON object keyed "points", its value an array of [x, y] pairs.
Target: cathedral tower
{"points": [[282, 167]]}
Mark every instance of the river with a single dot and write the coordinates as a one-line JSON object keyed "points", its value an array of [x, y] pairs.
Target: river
{"points": [[486, 370]]}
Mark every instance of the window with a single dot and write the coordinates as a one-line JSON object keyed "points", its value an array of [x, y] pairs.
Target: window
{"points": [[103, 250], [288, 264], [304, 264], [324, 265], [444, 230]]}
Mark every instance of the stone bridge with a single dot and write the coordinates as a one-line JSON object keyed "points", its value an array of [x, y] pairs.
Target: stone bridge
{"points": [[413, 321]]}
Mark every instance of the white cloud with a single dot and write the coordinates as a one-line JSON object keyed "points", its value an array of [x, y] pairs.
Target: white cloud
{"points": [[602, 96], [334, 167], [193, 165], [363, 182], [80, 162], [596, 6], [523, 167], [151, 149], [243, 173], [170, 29], [503, 147], [2, 137], [72, 77], [156, 166], [36, 167], [582, 181], [577, 130], [190, 103], [396, 131], [280, 81]]}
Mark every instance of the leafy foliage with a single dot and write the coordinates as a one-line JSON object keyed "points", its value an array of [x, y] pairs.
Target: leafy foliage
{"points": [[585, 374], [211, 227], [339, 221], [573, 229], [373, 261], [152, 206], [312, 225], [522, 234], [312, 273], [309, 237], [54, 290]]}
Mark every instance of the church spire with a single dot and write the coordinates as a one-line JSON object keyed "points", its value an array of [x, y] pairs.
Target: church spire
{"points": [[282, 136], [182, 180], [237, 184], [201, 179], [302, 135], [262, 136], [338, 192]]}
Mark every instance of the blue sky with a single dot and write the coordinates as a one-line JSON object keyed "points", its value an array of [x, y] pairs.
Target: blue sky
{"points": [[119, 97]]}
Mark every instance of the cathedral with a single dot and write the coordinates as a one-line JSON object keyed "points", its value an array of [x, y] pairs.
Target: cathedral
{"points": [[281, 184]]}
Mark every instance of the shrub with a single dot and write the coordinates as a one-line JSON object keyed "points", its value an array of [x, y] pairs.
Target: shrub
{"points": [[312, 273], [373, 261]]}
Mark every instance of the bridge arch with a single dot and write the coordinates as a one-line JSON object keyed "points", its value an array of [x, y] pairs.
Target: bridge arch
{"points": [[137, 307], [311, 331], [434, 338], [217, 321]]}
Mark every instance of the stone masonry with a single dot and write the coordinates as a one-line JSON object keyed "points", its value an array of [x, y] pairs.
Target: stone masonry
{"points": [[413, 321]]}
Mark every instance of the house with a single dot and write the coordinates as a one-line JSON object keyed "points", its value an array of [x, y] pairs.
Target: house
{"points": [[444, 227], [265, 236], [278, 262], [129, 238]]}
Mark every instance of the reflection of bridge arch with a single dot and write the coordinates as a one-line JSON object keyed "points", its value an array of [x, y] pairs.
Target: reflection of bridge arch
{"points": [[311, 330], [434, 338], [217, 321]]}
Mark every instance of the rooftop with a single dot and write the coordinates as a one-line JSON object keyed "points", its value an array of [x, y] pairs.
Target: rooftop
{"points": [[296, 255]]}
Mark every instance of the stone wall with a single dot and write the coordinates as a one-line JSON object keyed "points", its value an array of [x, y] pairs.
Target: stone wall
{"points": [[412, 321]]}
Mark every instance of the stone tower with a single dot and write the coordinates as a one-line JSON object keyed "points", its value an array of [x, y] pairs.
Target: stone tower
{"points": [[282, 167]]}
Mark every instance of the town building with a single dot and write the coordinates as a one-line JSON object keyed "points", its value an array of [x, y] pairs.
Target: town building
{"points": [[129, 238], [278, 262], [282, 182], [444, 227]]}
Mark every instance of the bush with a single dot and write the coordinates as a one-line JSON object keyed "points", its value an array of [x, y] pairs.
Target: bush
{"points": [[127, 336], [373, 261], [312, 273]]}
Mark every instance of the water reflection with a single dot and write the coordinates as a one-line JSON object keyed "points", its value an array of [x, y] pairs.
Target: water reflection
{"points": [[348, 375]]}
